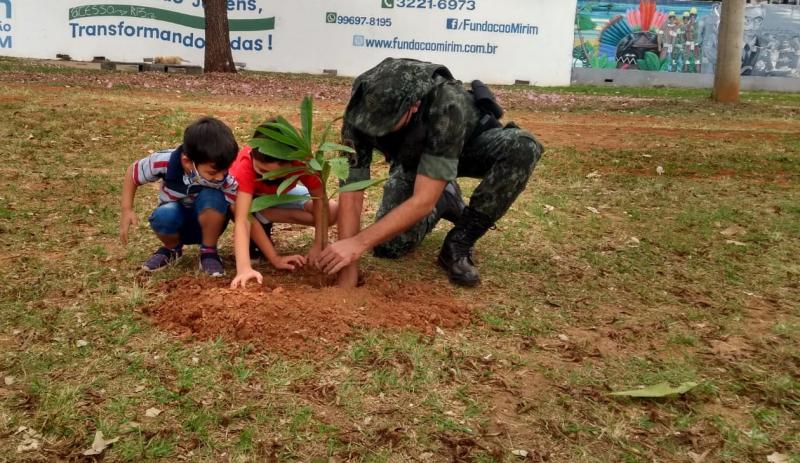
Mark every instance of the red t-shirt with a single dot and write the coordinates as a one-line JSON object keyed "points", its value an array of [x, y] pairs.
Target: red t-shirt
{"points": [[250, 182]]}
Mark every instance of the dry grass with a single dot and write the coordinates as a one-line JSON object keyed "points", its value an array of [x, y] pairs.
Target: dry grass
{"points": [[573, 306]]}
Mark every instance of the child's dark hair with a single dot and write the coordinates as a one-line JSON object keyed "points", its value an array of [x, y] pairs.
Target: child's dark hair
{"points": [[258, 155], [209, 140]]}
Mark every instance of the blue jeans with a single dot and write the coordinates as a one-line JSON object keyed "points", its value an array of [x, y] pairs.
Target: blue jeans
{"points": [[176, 219]]}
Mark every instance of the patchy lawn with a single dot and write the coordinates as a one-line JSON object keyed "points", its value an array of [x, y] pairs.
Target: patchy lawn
{"points": [[609, 273]]}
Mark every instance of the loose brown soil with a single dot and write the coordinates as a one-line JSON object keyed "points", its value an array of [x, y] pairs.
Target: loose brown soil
{"points": [[298, 319]]}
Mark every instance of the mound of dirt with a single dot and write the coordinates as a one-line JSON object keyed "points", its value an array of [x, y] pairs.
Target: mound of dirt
{"points": [[298, 319]]}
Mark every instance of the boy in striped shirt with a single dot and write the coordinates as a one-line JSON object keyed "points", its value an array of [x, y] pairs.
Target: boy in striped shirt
{"points": [[194, 198]]}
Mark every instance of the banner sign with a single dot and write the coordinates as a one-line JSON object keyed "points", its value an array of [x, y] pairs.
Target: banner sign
{"points": [[498, 41], [683, 36]]}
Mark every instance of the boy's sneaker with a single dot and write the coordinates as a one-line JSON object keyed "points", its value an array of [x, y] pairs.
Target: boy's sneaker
{"points": [[161, 258], [211, 264]]}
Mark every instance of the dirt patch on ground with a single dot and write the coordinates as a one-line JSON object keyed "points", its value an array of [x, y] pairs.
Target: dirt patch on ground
{"points": [[298, 319]]}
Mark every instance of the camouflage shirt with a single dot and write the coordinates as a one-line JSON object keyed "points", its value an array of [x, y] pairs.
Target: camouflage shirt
{"points": [[434, 138]]}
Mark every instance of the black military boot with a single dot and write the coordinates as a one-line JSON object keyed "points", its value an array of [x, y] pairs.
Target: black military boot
{"points": [[456, 254], [450, 204]]}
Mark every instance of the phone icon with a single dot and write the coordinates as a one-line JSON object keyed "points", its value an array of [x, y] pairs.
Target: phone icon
{"points": [[387, 3]]}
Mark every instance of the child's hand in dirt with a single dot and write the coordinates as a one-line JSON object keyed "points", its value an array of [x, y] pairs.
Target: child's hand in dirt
{"points": [[288, 262], [126, 220], [313, 256], [244, 277]]}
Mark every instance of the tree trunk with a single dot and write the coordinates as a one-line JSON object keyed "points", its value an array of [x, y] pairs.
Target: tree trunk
{"points": [[218, 56], [729, 52]]}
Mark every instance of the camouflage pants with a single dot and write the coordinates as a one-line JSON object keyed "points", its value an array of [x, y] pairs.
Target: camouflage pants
{"points": [[503, 158]]}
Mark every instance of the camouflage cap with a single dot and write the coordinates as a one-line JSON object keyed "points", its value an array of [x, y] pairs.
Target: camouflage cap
{"points": [[381, 95]]}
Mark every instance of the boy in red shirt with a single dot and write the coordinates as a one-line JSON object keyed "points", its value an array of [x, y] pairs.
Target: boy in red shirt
{"points": [[256, 229]]}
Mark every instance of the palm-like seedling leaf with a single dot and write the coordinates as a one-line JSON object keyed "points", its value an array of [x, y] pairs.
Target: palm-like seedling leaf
{"points": [[278, 135], [267, 201], [274, 148], [328, 146], [306, 117], [287, 183], [358, 186], [282, 172]]}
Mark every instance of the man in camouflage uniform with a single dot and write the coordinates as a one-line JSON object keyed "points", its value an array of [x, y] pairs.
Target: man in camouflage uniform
{"points": [[431, 130]]}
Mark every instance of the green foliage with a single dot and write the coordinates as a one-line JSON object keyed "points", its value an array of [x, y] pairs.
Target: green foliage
{"points": [[286, 142], [584, 52], [584, 22], [267, 201], [602, 62], [651, 62]]}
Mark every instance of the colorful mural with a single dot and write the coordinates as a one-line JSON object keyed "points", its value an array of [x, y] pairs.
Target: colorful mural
{"points": [[682, 36]]}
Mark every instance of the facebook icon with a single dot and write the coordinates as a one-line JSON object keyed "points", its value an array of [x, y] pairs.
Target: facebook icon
{"points": [[452, 23]]}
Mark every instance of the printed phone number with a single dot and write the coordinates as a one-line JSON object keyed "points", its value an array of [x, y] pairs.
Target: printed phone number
{"points": [[110, 10], [334, 18], [436, 4]]}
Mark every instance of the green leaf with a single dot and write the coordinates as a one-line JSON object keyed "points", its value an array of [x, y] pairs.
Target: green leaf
{"points": [[315, 164], [306, 115], [358, 186], [282, 172], [287, 183], [657, 390], [265, 202], [286, 125], [584, 22], [328, 146], [340, 167], [274, 148], [289, 132], [288, 129], [277, 135]]}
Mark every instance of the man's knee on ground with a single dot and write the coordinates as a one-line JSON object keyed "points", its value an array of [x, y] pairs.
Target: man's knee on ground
{"points": [[390, 250]]}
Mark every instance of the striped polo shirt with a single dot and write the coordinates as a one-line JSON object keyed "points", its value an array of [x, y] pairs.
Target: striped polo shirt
{"points": [[166, 166]]}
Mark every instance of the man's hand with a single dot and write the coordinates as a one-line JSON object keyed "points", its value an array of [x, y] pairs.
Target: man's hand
{"points": [[288, 262], [243, 277], [340, 254], [126, 220]]}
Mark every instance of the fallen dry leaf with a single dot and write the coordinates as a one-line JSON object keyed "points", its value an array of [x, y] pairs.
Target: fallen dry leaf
{"points": [[733, 230], [701, 458], [152, 412], [99, 445], [776, 457], [548, 208], [660, 170], [520, 453], [593, 210], [593, 174], [81, 343], [735, 243], [9, 380]]}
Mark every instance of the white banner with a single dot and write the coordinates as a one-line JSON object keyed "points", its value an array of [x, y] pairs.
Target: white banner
{"points": [[498, 41]]}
